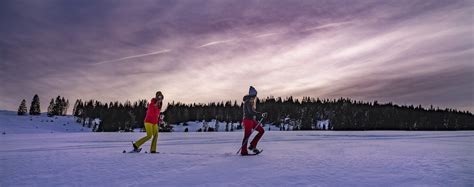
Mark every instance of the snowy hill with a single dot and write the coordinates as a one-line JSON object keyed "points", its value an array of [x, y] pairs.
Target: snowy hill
{"points": [[10, 122]]}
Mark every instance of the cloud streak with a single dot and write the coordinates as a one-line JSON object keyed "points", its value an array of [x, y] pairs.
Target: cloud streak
{"points": [[330, 25], [133, 56], [216, 43]]}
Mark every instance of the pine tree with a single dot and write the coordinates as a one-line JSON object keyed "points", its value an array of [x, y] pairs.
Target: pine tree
{"points": [[77, 108], [57, 106], [22, 108], [66, 106], [35, 106], [62, 107], [51, 108]]}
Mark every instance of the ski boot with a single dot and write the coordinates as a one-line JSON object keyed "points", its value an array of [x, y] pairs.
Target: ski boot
{"points": [[135, 148], [254, 150]]}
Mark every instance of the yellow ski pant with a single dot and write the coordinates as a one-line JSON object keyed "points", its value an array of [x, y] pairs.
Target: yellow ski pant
{"points": [[151, 132]]}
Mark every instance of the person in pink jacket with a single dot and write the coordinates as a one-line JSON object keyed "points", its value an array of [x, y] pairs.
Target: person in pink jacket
{"points": [[151, 123]]}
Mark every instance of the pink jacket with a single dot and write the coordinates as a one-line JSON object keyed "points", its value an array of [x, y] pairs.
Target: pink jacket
{"points": [[153, 113]]}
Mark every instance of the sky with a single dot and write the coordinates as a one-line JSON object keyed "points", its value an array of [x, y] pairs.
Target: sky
{"points": [[407, 52]]}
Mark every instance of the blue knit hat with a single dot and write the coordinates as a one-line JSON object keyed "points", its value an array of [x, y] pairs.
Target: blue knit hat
{"points": [[252, 91]]}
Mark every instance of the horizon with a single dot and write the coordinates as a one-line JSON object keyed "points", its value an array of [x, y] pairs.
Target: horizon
{"points": [[404, 52], [283, 98]]}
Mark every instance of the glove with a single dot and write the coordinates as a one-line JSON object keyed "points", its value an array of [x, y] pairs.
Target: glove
{"points": [[264, 115]]}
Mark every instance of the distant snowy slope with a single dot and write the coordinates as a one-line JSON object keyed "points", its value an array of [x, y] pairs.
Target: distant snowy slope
{"points": [[11, 123]]}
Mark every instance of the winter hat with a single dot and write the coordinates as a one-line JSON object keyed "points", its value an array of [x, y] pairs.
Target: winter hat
{"points": [[252, 91]]}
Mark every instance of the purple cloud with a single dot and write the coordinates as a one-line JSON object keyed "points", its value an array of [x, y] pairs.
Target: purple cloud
{"points": [[408, 52]]}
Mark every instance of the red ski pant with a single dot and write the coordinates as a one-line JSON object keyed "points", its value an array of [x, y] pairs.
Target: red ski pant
{"points": [[249, 124]]}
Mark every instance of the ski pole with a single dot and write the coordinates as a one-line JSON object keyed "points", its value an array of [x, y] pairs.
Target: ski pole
{"points": [[246, 139]]}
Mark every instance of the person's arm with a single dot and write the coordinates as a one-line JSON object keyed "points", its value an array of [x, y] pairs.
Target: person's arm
{"points": [[252, 111], [263, 114], [152, 103], [156, 104], [255, 111], [150, 108]]}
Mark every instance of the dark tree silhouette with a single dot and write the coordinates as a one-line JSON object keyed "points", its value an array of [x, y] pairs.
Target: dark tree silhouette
{"points": [[22, 108], [342, 113]]}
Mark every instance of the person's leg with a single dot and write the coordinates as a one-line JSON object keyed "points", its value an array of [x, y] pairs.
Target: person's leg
{"points": [[149, 134], [155, 139], [247, 133], [258, 136]]}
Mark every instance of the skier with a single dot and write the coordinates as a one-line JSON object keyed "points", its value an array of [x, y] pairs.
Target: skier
{"points": [[151, 123], [250, 123]]}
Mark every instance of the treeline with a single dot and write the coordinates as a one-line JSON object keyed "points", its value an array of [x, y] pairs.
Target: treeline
{"points": [[223, 111], [343, 114], [110, 117]]}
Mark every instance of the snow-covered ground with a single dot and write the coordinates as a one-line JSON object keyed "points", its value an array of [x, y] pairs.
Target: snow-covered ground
{"points": [[294, 158], [10, 122]]}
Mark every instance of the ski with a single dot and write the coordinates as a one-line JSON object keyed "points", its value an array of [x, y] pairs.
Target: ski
{"points": [[254, 154], [146, 152], [132, 151]]}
